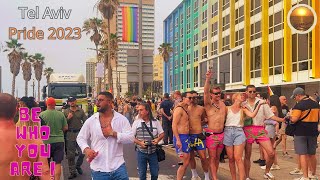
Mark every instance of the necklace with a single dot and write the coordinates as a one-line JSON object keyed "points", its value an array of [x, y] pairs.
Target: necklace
{"points": [[216, 106]]}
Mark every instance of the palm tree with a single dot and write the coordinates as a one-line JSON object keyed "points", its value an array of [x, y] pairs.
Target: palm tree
{"points": [[108, 8], [38, 69], [47, 72], [94, 25], [164, 50], [14, 59], [114, 40], [26, 69]]}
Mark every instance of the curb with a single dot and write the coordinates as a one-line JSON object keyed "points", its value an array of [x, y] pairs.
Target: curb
{"points": [[255, 172]]}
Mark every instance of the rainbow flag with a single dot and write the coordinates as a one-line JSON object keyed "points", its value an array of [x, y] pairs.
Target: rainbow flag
{"points": [[270, 92], [129, 24]]}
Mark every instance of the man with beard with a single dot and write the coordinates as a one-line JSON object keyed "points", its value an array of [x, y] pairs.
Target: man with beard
{"points": [[197, 116], [106, 131], [75, 118], [216, 113]]}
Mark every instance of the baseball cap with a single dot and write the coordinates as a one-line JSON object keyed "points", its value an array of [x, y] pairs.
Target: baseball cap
{"points": [[71, 99], [297, 91], [51, 101]]}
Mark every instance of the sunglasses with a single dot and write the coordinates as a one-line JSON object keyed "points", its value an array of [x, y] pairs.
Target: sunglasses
{"points": [[251, 92], [216, 93], [191, 98]]}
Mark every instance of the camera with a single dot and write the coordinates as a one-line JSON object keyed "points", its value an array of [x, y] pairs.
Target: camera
{"points": [[147, 143]]}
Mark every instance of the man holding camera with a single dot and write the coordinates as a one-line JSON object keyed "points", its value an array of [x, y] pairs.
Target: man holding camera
{"points": [[75, 118], [143, 128]]}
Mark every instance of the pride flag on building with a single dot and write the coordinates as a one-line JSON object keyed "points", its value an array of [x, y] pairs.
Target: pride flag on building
{"points": [[129, 24]]}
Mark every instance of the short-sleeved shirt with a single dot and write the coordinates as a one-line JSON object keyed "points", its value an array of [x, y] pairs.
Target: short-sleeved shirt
{"points": [[56, 121], [309, 125], [264, 113], [142, 133], [166, 105]]}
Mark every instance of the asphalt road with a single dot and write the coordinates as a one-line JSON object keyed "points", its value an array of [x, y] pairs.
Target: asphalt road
{"points": [[168, 168]]}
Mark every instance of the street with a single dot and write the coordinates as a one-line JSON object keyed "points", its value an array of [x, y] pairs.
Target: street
{"points": [[168, 168]]}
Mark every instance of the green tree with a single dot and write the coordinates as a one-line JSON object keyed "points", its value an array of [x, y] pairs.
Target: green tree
{"points": [[47, 72], [26, 70], [164, 50], [93, 26], [15, 59], [38, 69], [108, 8]]}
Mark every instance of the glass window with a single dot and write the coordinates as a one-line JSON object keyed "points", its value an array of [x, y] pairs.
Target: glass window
{"points": [[195, 55], [237, 66], [203, 71], [196, 6], [195, 76], [278, 50], [204, 52], [188, 78], [181, 80], [303, 47], [195, 39], [204, 16], [195, 22], [224, 69]]}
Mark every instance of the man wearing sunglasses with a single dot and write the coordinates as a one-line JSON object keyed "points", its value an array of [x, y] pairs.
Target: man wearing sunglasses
{"points": [[197, 116], [216, 113], [180, 128], [255, 131]]}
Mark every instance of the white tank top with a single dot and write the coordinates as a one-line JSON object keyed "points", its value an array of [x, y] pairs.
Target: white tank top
{"points": [[234, 119]]}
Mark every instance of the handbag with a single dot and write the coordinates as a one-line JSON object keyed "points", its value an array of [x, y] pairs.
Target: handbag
{"points": [[249, 121], [161, 154], [291, 127]]}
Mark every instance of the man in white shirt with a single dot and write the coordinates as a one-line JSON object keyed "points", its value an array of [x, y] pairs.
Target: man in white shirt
{"points": [[255, 131], [107, 131]]}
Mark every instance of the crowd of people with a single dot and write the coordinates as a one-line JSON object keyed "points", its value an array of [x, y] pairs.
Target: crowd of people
{"points": [[191, 125]]}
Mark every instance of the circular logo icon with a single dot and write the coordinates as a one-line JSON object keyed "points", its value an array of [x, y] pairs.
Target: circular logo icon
{"points": [[302, 19]]}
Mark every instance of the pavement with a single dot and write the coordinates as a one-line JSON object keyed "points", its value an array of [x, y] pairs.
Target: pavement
{"points": [[256, 173]]}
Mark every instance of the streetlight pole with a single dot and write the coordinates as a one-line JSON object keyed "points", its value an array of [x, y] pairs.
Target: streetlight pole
{"points": [[34, 95], [0, 79], [140, 50]]}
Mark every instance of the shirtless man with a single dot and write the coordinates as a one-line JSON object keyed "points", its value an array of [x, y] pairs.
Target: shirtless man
{"points": [[216, 113], [8, 108], [180, 128], [197, 115]]}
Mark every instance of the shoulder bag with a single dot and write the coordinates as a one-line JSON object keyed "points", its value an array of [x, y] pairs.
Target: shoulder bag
{"points": [[160, 152], [249, 121], [291, 128]]}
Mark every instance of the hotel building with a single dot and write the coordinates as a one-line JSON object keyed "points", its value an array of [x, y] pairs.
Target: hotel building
{"points": [[244, 42]]}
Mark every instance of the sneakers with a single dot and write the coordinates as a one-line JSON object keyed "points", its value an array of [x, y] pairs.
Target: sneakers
{"points": [[301, 178], [268, 176], [262, 163], [273, 167], [258, 161], [248, 179], [286, 155], [296, 171], [196, 178], [313, 177]]}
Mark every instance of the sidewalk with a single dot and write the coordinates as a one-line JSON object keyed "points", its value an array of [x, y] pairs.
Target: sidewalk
{"points": [[256, 173]]}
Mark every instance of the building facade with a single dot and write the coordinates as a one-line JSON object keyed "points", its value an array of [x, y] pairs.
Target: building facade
{"points": [[243, 42], [157, 74], [90, 72], [147, 39]]}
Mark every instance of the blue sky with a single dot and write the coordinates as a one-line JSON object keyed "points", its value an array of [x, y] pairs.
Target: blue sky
{"points": [[62, 55]]}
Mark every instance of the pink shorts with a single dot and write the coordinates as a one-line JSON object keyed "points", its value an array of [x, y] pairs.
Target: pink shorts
{"points": [[214, 141], [255, 133]]}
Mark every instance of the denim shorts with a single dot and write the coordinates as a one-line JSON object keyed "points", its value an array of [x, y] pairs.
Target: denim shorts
{"points": [[233, 136]]}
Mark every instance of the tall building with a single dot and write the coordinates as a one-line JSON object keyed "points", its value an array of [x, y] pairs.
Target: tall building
{"points": [[244, 42], [90, 72], [157, 74], [147, 39]]}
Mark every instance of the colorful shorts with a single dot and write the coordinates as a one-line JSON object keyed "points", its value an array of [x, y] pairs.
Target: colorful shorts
{"points": [[185, 141], [196, 143], [214, 140], [255, 133]]}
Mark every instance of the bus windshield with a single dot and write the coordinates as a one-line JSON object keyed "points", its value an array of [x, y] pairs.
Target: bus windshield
{"points": [[65, 91]]}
